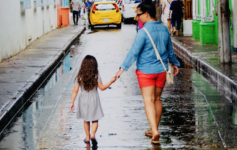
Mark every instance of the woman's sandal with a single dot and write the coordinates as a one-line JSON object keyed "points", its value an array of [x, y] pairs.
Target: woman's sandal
{"points": [[156, 141], [148, 133], [173, 32]]}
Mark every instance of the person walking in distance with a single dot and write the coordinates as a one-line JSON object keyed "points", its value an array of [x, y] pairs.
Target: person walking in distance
{"points": [[75, 9], [150, 72], [89, 106], [166, 17], [177, 13]]}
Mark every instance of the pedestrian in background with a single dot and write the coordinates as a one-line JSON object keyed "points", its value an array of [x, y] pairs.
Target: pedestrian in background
{"points": [[177, 14], [80, 6], [88, 8], [75, 8], [166, 17], [89, 106], [150, 73]]}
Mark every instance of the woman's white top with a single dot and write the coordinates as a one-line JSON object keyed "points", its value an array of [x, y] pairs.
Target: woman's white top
{"points": [[167, 7]]}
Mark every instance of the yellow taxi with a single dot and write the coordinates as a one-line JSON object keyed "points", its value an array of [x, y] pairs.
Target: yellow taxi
{"points": [[105, 13]]}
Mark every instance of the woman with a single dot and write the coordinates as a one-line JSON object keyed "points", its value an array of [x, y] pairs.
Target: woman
{"points": [[165, 13], [150, 72], [177, 14]]}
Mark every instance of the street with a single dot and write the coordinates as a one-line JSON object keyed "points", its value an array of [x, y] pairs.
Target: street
{"points": [[188, 119]]}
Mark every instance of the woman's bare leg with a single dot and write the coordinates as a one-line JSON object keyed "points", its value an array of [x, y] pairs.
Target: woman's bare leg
{"points": [[94, 128], [148, 94], [169, 25], [177, 32], [158, 105], [87, 130]]}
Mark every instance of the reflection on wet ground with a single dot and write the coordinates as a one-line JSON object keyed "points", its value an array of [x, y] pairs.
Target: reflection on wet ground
{"points": [[193, 109], [25, 129]]}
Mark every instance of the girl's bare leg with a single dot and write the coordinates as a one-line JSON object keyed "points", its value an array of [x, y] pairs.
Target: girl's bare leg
{"points": [[87, 130], [148, 94], [158, 105], [94, 128]]}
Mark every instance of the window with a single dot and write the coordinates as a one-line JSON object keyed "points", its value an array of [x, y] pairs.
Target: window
{"points": [[45, 2], [50, 2], [38, 3], [26, 3], [56, 1]]}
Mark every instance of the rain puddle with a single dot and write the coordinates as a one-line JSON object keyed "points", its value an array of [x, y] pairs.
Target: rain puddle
{"points": [[206, 117]]}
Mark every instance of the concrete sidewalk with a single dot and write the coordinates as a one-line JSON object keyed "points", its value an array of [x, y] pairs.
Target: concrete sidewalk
{"points": [[205, 60], [22, 74]]}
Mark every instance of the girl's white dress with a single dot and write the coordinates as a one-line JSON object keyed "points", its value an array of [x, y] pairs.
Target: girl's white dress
{"points": [[89, 106]]}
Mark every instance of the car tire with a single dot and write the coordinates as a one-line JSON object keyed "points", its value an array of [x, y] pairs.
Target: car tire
{"points": [[119, 26], [124, 20], [92, 27]]}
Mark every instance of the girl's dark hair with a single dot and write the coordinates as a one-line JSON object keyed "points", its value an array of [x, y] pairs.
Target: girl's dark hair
{"points": [[87, 76], [149, 7]]}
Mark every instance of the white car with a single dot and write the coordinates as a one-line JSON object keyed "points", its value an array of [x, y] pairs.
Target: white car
{"points": [[128, 8]]}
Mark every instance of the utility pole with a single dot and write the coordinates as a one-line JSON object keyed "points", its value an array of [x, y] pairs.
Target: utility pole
{"points": [[224, 31]]}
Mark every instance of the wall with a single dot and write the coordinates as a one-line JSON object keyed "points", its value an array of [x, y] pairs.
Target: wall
{"points": [[234, 17], [20, 26]]}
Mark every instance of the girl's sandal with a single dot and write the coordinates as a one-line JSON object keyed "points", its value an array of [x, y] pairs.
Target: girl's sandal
{"points": [[94, 141], [87, 142], [148, 133]]}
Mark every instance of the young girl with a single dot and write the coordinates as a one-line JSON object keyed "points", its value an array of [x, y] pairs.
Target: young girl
{"points": [[89, 107]]}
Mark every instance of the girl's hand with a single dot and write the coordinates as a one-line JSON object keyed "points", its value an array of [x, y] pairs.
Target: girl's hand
{"points": [[72, 107], [112, 80]]}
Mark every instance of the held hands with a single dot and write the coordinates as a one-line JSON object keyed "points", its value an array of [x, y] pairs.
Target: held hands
{"points": [[118, 74]]}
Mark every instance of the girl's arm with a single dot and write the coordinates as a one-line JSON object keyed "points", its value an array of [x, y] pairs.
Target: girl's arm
{"points": [[104, 87], [73, 96]]}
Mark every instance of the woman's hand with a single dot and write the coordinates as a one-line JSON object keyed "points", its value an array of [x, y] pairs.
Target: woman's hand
{"points": [[176, 70], [72, 107], [118, 74]]}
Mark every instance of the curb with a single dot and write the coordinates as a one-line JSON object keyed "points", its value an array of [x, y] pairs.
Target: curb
{"points": [[225, 85], [25, 93]]}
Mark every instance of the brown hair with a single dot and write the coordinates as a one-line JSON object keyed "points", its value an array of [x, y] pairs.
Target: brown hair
{"points": [[87, 76]]}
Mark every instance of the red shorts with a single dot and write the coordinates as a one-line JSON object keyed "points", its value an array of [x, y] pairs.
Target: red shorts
{"points": [[146, 80]]}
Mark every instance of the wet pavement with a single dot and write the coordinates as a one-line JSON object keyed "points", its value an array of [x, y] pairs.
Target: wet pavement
{"points": [[195, 113]]}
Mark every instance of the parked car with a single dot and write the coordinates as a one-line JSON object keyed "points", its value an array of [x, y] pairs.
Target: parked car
{"points": [[129, 8], [105, 13]]}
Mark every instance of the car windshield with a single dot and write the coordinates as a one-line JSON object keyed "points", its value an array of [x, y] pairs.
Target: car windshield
{"points": [[132, 1], [105, 7]]}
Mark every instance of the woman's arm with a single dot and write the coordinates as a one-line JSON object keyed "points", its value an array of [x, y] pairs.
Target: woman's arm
{"points": [[73, 96], [134, 52], [104, 87]]}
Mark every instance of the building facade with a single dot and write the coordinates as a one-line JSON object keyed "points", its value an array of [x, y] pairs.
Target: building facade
{"points": [[23, 21]]}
